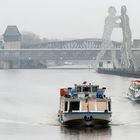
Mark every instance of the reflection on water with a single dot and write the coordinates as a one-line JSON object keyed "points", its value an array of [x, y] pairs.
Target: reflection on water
{"points": [[86, 133]]}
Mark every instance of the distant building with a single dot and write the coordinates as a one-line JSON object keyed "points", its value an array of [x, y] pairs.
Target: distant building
{"points": [[136, 43], [12, 38], [1, 42]]}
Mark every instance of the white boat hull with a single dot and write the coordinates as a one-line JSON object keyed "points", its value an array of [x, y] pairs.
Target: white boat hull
{"points": [[133, 97], [85, 118]]}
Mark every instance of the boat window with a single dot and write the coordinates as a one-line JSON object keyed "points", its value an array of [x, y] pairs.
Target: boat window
{"points": [[86, 89], [138, 87], [94, 88], [109, 106], [66, 106], [74, 105], [101, 105], [78, 89]]}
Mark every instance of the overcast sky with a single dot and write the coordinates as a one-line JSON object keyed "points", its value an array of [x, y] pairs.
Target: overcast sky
{"points": [[66, 19]]}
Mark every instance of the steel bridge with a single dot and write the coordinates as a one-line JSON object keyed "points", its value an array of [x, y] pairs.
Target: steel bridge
{"points": [[73, 44], [82, 49]]}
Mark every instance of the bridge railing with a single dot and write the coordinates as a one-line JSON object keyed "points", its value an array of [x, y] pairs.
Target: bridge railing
{"points": [[74, 44]]}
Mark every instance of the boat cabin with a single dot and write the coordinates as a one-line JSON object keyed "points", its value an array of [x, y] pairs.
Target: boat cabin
{"points": [[135, 85], [84, 98]]}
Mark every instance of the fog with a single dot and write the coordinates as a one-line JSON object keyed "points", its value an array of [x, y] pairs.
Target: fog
{"points": [[66, 19]]}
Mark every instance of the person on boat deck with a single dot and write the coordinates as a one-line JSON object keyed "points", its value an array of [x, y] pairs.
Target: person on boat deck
{"points": [[99, 94], [72, 91]]}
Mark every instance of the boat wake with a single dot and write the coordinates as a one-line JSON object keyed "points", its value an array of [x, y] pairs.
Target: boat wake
{"points": [[125, 123], [15, 122]]}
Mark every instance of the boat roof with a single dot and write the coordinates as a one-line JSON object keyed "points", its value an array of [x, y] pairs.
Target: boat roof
{"points": [[85, 85], [136, 81]]}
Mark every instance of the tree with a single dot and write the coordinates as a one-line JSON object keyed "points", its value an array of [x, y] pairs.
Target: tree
{"points": [[30, 40]]}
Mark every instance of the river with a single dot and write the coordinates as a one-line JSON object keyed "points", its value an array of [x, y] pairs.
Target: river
{"points": [[29, 101]]}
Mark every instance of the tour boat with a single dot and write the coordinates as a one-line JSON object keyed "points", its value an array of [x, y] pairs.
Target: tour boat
{"points": [[134, 90], [84, 104]]}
